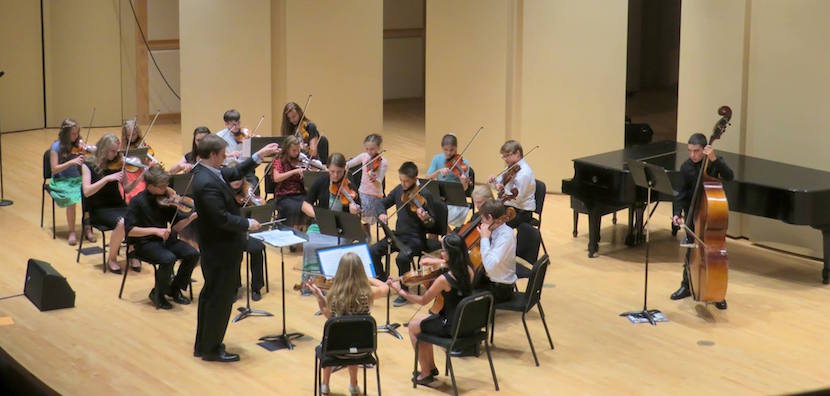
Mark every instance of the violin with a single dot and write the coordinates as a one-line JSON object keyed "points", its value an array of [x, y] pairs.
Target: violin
{"points": [[245, 193], [133, 164], [241, 135], [344, 192], [318, 280], [425, 275], [417, 201], [302, 130], [81, 149], [303, 161], [469, 232], [184, 205], [457, 166]]}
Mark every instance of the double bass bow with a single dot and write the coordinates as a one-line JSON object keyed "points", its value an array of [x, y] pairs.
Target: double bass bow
{"points": [[709, 217]]}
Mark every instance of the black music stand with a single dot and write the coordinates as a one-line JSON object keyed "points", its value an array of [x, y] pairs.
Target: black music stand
{"points": [[283, 340], [452, 193], [391, 328], [261, 214], [339, 224], [310, 176], [179, 183], [258, 142], [433, 188], [650, 177], [3, 200]]}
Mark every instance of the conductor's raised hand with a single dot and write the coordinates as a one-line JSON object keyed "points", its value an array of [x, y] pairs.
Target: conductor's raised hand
{"points": [[253, 225], [270, 150]]}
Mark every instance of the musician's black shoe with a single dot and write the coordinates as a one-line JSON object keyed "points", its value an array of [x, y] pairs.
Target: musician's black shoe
{"points": [[159, 301], [681, 293], [472, 350], [256, 295], [721, 305], [221, 356], [178, 297]]}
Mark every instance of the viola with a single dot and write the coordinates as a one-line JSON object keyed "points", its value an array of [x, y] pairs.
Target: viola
{"points": [[303, 161], [241, 135], [302, 131], [425, 276], [245, 195], [133, 164], [472, 238], [184, 205], [81, 149], [318, 280], [344, 192], [417, 201], [457, 166]]}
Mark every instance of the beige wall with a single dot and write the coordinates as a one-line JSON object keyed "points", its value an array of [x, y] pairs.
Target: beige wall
{"points": [[340, 65], [161, 99], [83, 61], [21, 89], [225, 62], [162, 19], [403, 57], [467, 77], [788, 105], [573, 82]]}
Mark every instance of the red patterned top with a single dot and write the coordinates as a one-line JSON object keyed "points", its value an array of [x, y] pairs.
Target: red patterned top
{"points": [[291, 186]]}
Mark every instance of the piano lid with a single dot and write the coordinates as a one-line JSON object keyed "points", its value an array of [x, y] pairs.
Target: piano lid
{"points": [[748, 170]]}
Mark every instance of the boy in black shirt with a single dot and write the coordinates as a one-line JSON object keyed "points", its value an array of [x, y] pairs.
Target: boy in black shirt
{"points": [[147, 226], [698, 149], [410, 228]]}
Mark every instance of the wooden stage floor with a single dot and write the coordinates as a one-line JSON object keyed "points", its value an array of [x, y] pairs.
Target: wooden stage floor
{"points": [[773, 339]]}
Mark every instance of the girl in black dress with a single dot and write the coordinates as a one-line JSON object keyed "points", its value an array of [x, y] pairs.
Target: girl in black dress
{"points": [[453, 286]]}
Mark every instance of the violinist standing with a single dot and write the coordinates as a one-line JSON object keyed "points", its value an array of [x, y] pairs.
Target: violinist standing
{"points": [[410, 227], [439, 169], [146, 225], [372, 174], [221, 237], [234, 135], [522, 182], [65, 183], [698, 149]]}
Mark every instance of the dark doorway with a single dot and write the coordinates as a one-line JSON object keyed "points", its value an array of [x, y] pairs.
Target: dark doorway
{"points": [[652, 66]]}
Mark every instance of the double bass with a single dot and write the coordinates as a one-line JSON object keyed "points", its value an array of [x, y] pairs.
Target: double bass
{"points": [[709, 211]]}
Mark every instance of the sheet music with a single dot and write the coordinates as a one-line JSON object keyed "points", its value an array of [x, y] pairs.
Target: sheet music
{"points": [[278, 238]]}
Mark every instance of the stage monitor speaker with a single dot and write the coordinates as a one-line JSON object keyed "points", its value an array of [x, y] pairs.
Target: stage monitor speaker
{"points": [[46, 288]]}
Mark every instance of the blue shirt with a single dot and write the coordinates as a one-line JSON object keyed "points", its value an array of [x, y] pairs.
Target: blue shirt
{"points": [[440, 161], [72, 171]]}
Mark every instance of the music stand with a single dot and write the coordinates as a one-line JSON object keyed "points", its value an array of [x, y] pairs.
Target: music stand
{"points": [[650, 177], [432, 188], [180, 181], [256, 143], [261, 214], [391, 328], [310, 176], [452, 193], [339, 224], [283, 340]]}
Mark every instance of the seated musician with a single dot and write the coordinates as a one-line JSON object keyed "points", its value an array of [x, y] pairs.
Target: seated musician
{"points": [[410, 227], [498, 250], [352, 292], [698, 149], [146, 225], [189, 160], [452, 286], [320, 193], [254, 247], [102, 177], [64, 185], [523, 183], [132, 138], [289, 190], [233, 134], [438, 170]]}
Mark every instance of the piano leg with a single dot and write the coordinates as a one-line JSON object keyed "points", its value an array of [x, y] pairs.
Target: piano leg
{"points": [[576, 222], [825, 272], [594, 220], [635, 226]]}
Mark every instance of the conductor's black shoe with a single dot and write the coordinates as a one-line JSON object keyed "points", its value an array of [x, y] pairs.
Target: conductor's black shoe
{"points": [[681, 293], [159, 301], [256, 295], [222, 357], [178, 297], [721, 305]]}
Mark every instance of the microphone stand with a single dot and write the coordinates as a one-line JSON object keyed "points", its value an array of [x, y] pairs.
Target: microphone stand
{"points": [[3, 200]]}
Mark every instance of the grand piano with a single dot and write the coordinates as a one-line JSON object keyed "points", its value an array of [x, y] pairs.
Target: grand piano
{"points": [[793, 194]]}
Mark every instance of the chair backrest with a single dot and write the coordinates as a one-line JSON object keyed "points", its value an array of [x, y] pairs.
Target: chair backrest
{"points": [[323, 149], [533, 292], [350, 336], [528, 241], [47, 164], [472, 315], [539, 196]]}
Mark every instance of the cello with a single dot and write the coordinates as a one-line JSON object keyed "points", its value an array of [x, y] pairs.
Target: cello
{"points": [[709, 211]]}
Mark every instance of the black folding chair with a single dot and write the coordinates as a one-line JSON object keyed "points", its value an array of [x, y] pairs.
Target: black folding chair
{"points": [[100, 227], [348, 340], [539, 196], [469, 328], [47, 174], [528, 241], [524, 302], [134, 255]]}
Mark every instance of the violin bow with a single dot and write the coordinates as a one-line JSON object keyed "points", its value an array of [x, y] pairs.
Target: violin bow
{"points": [[186, 190], [150, 128], [516, 164], [454, 164], [302, 117], [261, 118], [370, 161]]}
